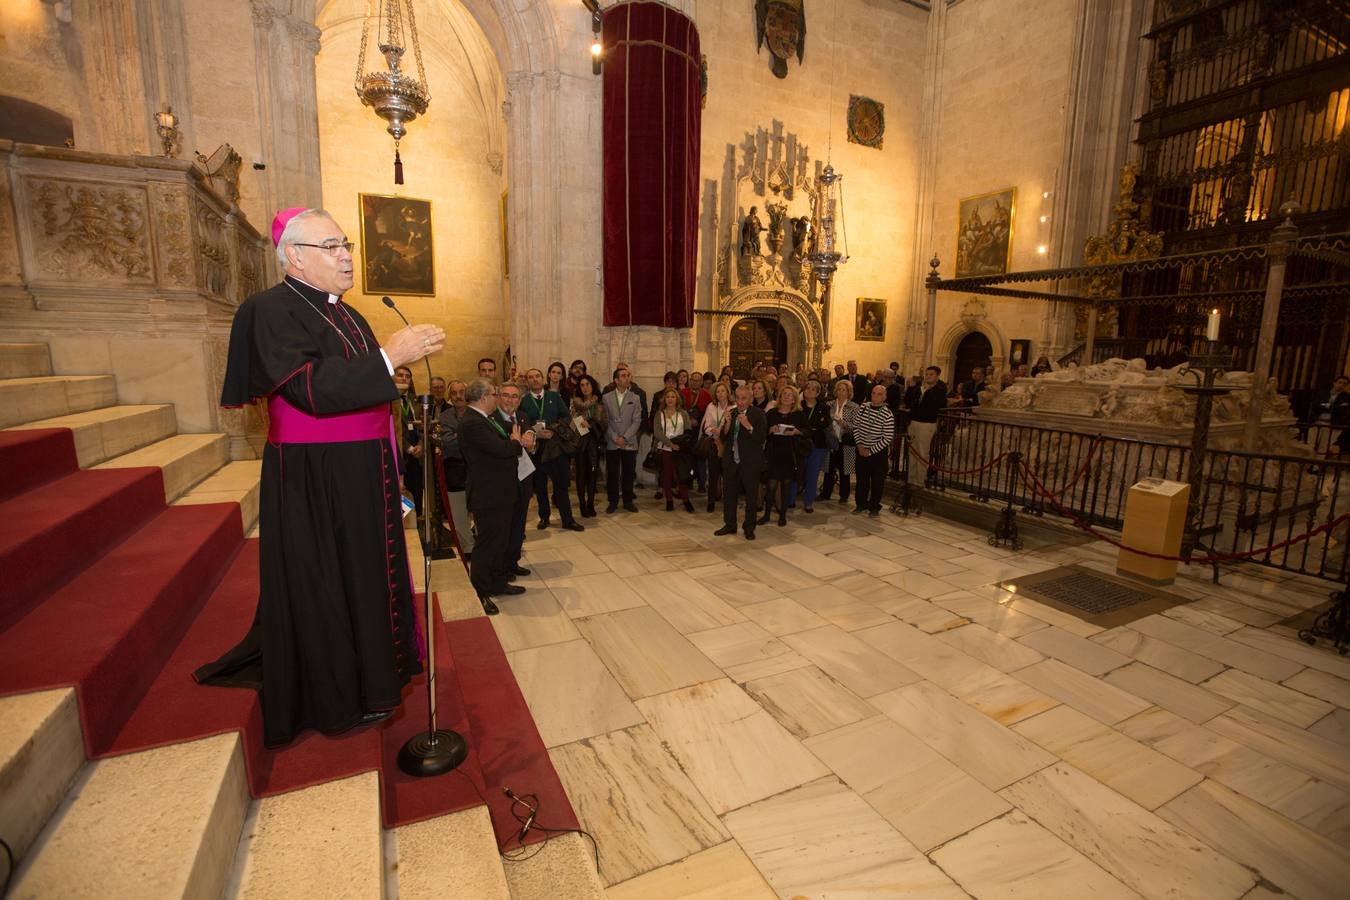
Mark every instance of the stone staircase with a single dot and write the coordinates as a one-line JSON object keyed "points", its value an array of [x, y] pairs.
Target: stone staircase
{"points": [[177, 821]]}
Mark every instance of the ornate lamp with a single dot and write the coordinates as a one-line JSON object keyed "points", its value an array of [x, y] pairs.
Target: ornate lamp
{"points": [[396, 96], [830, 234], [166, 126]]}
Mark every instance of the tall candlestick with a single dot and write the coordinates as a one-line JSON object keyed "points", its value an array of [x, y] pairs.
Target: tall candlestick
{"points": [[1212, 332]]}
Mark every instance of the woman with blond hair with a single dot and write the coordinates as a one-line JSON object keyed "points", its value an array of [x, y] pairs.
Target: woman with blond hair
{"points": [[673, 437], [713, 418], [782, 461], [843, 450]]}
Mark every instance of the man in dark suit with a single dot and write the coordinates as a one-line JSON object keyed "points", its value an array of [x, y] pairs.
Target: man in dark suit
{"points": [[509, 416], [492, 460], [744, 433], [970, 389], [542, 409], [1335, 411], [862, 386]]}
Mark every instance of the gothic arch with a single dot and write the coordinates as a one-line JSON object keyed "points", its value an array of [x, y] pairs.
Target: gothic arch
{"points": [[947, 344], [801, 321]]}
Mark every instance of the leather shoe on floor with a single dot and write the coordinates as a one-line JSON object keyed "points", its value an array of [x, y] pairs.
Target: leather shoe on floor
{"points": [[488, 606], [688, 507], [873, 514], [509, 590], [519, 570], [375, 715], [749, 534], [510, 577], [573, 526], [611, 508], [543, 523], [630, 506], [725, 529]]}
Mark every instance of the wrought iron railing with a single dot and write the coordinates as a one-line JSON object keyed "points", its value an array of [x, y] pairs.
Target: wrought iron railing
{"points": [[1251, 508]]}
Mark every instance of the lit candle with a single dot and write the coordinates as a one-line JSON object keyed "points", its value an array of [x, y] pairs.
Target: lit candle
{"points": [[1212, 332]]}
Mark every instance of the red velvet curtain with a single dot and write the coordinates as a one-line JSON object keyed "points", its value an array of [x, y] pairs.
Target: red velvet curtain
{"points": [[652, 112]]}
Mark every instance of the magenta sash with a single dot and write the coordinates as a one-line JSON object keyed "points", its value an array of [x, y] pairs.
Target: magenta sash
{"points": [[288, 425]]}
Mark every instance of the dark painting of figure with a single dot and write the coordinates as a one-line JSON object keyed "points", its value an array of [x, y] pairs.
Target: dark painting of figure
{"points": [[396, 246], [870, 324], [984, 234]]}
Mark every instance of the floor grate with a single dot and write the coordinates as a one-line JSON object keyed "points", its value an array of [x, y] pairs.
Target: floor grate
{"points": [[1092, 596], [1092, 593]]}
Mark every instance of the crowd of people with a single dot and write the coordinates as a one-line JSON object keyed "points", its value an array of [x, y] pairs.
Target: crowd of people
{"points": [[779, 441]]}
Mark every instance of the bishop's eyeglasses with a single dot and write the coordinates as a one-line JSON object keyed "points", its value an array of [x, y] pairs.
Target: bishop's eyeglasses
{"points": [[329, 247]]}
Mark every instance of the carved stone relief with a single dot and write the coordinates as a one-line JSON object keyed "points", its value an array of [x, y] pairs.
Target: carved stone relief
{"points": [[89, 232], [213, 249], [174, 245]]}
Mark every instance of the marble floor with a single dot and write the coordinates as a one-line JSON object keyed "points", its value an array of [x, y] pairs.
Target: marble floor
{"points": [[851, 707]]}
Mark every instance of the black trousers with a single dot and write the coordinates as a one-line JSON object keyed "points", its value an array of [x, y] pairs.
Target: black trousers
{"points": [[557, 471], [620, 464], [516, 542], [738, 480], [487, 569], [871, 473], [588, 469]]}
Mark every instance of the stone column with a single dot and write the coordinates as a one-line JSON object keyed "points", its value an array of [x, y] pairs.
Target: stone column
{"points": [[284, 48], [110, 35], [1281, 242], [162, 31]]}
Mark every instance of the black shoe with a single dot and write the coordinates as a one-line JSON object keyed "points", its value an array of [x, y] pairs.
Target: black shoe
{"points": [[749, 534], [670, 505], [508, 590], [859, 509], [782, 519], [543, 523], [630, 506], [488, 606], [510, 577], [573, 525], [659, 495], [725, 529], [763, 520], [874, 514], [519, 570], [611, 507], [688, 507], [588, 512], [375, 715], [808, 509]]}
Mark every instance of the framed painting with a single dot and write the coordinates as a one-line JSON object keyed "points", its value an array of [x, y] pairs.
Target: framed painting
{"points": [[870, 320], [1019, 354], [396, 246], [984, 230]]}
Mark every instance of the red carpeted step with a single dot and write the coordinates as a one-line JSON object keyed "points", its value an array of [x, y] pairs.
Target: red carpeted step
{"points": [[28, 457], [50, 533], [109, 630], [510, 751]]}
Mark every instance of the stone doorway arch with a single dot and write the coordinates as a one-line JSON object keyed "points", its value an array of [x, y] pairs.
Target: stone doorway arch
{"points": [[797, 315]]}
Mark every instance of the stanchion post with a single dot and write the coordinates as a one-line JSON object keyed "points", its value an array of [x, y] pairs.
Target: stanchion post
{"points": [[1282, 241], [1206, 367], [1005, 532]]}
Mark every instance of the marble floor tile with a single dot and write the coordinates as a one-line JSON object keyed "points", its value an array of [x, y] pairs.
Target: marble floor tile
{"points": [[1322, 686], [570, 692], [938, 568], [879, 546], [1286, 854], [782, 616], [603, 541], [1334, 727], [992, 754], [735, 645], [1014, 857], [1128, 767], [812, 562], [553, 562], [723, 872], [924, 615], [1103, 702], [868, 563], [937, 549], [1147, 854], [1203, 618], [1289, 648], [628, 565], [733, 751], [1160, 655], [1002, 653], [631, 795], [1083, 654], [685, 603], [1302, 749], [1272, 699], [925, 796], [589, 595], [761, 576], [840, 607], [1241, 612], [1048, 614], [1294, 793], [1173, 694], [1225, 650], [994, 616], [532, 620], [764, 668], [856, 665], [646, 655], [807, 702], [925, 587], [1002, 698], [937, 661], [823, 840]]}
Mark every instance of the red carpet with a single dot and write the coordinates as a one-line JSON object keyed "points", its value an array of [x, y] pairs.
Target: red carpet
{"points": [[173, 587]]}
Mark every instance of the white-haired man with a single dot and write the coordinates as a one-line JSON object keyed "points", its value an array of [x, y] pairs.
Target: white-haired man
{"points": [[333, 641]]}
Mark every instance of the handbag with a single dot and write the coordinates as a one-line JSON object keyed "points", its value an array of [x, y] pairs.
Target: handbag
{"points": [[652, 461], [705, 447]]}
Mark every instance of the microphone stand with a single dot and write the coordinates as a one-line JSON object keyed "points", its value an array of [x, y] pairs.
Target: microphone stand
{"points": [[434, 751]]}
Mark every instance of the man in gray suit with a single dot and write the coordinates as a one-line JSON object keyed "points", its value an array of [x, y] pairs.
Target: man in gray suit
{"points": [[621, 439]]}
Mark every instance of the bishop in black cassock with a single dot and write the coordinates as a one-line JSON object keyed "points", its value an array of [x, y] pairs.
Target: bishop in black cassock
{"points": [[335, 638]]}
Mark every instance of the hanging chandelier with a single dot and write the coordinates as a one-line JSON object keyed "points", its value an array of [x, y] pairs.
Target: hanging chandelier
{"points": [[831, 249], [395, 95]]}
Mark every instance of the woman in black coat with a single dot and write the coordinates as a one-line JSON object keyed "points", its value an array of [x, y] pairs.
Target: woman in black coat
{"points": [[782, 460]]}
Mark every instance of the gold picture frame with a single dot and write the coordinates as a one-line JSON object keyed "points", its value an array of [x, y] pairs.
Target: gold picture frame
{"points": [[397, 249], [984, 233], [869, 320]]}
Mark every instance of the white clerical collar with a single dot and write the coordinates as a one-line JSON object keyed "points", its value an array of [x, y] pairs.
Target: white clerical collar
{"points": [[332, 298], [480, 412]]}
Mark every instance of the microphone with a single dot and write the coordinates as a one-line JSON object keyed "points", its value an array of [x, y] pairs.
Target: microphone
{"points": [[389, 302]]}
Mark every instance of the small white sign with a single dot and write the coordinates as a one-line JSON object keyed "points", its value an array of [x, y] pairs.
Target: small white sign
{"points": [[1161, 486]]}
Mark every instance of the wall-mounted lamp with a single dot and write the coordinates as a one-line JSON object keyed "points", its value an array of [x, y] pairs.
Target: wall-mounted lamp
{"points": [[1042, 249], [597, 46], [166, 126]]}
